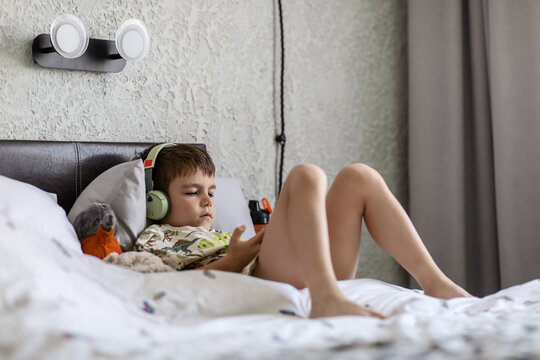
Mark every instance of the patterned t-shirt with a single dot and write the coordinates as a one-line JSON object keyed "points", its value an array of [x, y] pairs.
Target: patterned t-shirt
{"points": [[185, 247]]}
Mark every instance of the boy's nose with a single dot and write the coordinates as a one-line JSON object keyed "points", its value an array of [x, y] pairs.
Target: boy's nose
{"points": [[206, 201]]}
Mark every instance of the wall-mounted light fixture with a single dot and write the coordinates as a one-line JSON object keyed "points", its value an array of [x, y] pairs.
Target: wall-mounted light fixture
{"points": [[68, 46], [69, 36], [132, 40]]}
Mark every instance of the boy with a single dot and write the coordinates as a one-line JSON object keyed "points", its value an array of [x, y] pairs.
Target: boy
{"points": [[312, 239]]}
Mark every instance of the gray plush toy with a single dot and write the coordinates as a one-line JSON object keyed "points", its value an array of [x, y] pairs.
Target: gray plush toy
{"points": [[96, 228]]}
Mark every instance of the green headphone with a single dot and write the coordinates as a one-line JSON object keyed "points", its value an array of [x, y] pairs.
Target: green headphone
{"points": [[157, 202]]}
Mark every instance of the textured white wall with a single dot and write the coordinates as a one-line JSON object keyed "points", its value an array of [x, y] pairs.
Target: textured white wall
{"points": [[211, 77], [346, 96]]}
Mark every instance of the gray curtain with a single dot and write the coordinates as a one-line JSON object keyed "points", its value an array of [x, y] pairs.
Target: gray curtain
{"points": [[474, 138]]}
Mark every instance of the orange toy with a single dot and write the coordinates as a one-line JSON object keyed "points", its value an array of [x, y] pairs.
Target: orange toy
{"points": [[101, 243], [96, 227]]}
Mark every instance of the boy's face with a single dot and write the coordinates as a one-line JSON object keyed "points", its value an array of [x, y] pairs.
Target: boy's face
{"points": [[191, 201]]}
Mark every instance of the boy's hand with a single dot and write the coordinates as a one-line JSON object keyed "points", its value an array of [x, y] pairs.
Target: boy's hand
{"points": [[240, 253]]}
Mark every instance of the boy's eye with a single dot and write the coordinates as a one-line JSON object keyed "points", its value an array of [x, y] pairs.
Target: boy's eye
{"points": [[191, 193], [211, 195]]}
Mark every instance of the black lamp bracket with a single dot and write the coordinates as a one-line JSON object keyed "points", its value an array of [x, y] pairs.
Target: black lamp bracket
{"points": [[100, 56]]}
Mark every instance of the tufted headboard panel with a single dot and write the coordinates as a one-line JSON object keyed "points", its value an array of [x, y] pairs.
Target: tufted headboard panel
{"points": [[64, 167]]}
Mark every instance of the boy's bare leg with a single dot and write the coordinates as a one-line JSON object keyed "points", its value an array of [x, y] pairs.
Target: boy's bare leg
{"points": [[295, 248], [359, 191]]}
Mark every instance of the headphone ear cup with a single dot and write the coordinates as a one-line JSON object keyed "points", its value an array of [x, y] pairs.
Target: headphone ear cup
{"points": [[157, 205]]}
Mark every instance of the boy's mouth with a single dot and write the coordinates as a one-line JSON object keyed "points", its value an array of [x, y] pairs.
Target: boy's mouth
{"points": [[207, 215]]}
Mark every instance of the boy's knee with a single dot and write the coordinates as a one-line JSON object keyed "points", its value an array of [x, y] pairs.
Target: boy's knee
{"points": [[361, 173], [308, 174]]}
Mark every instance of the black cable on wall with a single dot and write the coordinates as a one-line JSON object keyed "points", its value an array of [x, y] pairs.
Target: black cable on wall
{"points": [[281, 139]]}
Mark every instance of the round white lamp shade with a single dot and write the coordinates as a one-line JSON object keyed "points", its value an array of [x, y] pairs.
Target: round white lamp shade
{"points": [[69, 36], [133, 40]]}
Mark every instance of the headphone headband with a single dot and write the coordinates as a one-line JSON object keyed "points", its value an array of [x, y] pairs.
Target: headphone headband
{"points": [[152, 155], [150, 162]]}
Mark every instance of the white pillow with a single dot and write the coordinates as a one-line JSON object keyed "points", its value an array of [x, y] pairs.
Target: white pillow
{"points": [[34, 209], [231, 207], [122, 187], [53, 196]]}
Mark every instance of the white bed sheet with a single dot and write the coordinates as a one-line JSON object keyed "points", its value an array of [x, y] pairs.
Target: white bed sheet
{"points": [[58, 304]]}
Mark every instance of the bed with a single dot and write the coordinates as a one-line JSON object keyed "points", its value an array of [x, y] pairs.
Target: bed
{"points": [[58, 303]]}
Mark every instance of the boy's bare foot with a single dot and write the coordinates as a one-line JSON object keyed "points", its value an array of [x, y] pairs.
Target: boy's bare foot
{"points": [[340, 307], [446, 289]]}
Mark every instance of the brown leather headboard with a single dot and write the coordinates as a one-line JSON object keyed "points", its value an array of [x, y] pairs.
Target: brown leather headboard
{"points": [[62, 167]]}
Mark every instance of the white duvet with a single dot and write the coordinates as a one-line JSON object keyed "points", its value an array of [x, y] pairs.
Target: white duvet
{"points": [[56, 303]]}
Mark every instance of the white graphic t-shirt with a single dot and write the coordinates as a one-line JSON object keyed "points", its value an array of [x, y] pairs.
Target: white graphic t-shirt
{"points": [[186, 247]]}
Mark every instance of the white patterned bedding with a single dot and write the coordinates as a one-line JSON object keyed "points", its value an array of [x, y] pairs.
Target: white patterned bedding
{"points": [[56, 303]]}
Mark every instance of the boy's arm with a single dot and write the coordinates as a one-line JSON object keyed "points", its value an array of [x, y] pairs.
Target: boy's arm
{"points": [[239, 254]]}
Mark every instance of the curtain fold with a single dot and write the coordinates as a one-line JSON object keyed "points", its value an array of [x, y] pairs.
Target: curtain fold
{"points": [[474, 131]]}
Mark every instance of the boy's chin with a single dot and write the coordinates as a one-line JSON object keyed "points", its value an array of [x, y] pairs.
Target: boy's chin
{"points": [[207, 225]]}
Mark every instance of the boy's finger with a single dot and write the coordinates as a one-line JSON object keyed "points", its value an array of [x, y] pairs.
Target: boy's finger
{"points": [[238, 231], [235, 236], [258, 237]]}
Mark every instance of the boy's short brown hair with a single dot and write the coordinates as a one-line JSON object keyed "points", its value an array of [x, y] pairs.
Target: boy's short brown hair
{"points": [[179, 160]]}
